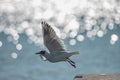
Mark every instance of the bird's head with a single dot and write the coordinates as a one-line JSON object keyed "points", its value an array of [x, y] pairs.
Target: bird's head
{"points": [[41, 52], [42, 55]]}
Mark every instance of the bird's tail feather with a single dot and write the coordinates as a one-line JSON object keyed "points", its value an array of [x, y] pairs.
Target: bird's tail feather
{"points": [[71, 54], [74, 53]]}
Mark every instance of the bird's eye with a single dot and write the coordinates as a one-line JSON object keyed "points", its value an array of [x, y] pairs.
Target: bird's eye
{"points": [[42, 52]]}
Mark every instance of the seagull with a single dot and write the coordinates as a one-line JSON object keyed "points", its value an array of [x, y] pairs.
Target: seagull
{"points": [[57, 51]]}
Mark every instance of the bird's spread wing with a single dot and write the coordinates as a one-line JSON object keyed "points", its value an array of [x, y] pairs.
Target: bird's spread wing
{"points": [[51, 40]]}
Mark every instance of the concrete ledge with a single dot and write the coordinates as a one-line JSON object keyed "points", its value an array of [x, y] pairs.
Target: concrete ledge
{"points": [[97, 77]]}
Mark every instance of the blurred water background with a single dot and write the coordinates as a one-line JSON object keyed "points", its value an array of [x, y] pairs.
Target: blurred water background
{"points": [[91, 27]]}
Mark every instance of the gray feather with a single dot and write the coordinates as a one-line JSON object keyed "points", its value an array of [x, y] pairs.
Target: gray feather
{"points": [[51, 40]]}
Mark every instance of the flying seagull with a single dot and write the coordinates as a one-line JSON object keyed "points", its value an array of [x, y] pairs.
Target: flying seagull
{"points": [[57, 51]]}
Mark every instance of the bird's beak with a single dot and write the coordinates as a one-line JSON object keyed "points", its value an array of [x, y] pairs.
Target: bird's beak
{"points": [[37, 53]]}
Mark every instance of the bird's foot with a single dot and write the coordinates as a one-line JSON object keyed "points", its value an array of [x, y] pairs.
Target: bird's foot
{"points": [[74, 65]]}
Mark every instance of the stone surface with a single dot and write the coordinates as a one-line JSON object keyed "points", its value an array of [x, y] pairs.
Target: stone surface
{"points": [[97, 77]]}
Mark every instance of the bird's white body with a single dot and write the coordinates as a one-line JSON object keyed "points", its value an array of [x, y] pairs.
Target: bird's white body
{"points": [[59, 56], [56, 57]]}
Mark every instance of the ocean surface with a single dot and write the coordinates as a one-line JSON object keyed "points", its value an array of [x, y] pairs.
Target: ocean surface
{"points": [[96, 57]]}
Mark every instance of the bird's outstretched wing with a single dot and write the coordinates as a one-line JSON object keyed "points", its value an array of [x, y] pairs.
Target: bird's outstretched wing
{"points": [[51, 40]]}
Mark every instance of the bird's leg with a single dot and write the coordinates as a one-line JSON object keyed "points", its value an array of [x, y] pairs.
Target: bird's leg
{"points": [[71, 62]]}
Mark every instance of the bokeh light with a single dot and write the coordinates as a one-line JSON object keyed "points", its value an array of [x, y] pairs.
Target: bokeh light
{"points": [[112, 42], [80, 38], [100, 33], [111, 26], [114, 38], [14, 55], [71, 18], [72, 42], [73, 34], [18, 46], [1, 43]]}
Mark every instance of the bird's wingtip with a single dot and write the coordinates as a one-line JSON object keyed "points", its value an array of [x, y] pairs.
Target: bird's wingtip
{"points": [[43, 21]]}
